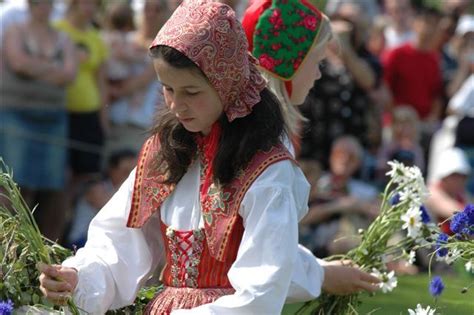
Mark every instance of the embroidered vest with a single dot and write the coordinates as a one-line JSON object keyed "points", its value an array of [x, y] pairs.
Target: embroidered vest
{"points": [[220, 210]]}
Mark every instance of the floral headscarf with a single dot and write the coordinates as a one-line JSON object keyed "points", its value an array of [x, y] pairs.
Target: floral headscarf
{"points": [[281, 33], [209, 34]]}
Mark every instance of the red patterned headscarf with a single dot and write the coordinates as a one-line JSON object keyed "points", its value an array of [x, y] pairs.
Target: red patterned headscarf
{"points": [[209, 34]]}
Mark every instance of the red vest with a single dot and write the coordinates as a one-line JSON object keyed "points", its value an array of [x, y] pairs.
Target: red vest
{"points": [[220, 210], [197, 262]]}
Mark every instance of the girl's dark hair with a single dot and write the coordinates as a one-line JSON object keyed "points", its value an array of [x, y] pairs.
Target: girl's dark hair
{"points": [[240, 139]]}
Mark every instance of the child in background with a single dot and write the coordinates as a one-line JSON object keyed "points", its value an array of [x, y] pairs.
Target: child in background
{"points": [[125, 55], [96, 193], [403, 142]]}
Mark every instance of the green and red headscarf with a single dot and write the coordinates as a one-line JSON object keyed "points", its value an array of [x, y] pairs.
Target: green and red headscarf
{"points": [[281, 33]]}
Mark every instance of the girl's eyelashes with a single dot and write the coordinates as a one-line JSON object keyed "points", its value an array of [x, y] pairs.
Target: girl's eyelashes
{"points": [[192, 92]]}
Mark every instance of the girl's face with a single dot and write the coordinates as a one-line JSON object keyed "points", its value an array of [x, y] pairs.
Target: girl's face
{"points": [[189, 96], [307, 73]]}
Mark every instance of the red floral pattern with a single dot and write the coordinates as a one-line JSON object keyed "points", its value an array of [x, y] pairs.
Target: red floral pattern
{"points": [[209, 34], [267, 62], [310, 22]]}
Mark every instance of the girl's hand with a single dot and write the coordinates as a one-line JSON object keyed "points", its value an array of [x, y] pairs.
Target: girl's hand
{"points": [[57, 282], [342, 279]]}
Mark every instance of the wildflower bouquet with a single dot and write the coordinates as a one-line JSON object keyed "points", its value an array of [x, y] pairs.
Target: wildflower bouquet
{"points": [[22, 246], [460, 245], [450, 248], [401, 209]]}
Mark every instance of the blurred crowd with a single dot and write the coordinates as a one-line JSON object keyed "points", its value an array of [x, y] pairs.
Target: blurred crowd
{"points": [[78, 95]]}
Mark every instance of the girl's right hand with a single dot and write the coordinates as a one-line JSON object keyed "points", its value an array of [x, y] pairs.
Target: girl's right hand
{"points": [[57, 282]]}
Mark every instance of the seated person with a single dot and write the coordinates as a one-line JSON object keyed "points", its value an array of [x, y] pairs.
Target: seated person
{"points": [[448, 188], [96, 193], [340, 205]]}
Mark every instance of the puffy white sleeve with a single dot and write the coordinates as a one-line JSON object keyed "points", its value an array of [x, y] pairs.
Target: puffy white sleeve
{"points": [[116, 260], [268, 256]]}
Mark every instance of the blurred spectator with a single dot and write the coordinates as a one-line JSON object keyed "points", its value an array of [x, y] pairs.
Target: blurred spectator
{"points": [[448, 187], [443, 139], [412, 70], [339, 103], [38, 63], [129, 123], [16, 11], [341, 204], [457, 127], [86, 97], [462, 105], [413, 75], [403, 144], [399, 30], [460, 6], [117, 35], [442, 39], [96, 193], [131, 111], [150, 16], [462, 50], [376, 39]]}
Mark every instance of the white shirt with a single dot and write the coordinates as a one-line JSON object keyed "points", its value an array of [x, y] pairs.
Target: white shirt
{"points": [[270, 267], [462, 103]]}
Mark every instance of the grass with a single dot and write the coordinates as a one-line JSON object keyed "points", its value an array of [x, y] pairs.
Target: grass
{"points": [[412, 290]]}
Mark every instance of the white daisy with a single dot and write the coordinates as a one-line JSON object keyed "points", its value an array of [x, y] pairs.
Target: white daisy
{"points": [[399, 173], [412, 219], [396, 169], [411, 257], [469, 266], [422, 311], [452, 256], [388, 281]]}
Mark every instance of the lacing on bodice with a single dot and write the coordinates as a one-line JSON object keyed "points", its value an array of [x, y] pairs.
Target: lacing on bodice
{"points": [[185, 251], [192, 277]]}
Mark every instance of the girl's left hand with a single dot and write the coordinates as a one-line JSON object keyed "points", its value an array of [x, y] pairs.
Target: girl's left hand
{"points": [[342, 279]]}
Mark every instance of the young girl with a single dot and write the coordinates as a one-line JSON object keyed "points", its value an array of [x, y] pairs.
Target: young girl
{"points": [[289, 51], [215, 192]]}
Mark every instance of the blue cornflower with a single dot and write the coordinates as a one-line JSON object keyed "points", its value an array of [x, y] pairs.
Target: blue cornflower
{"points": [[442, 240], [469, 211], [395, 199], [459, 223], [6, 308], [436, 286], [425, 217]]}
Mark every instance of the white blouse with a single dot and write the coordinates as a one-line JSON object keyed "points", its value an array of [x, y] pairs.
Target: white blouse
{"points": [[270, 268]]}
